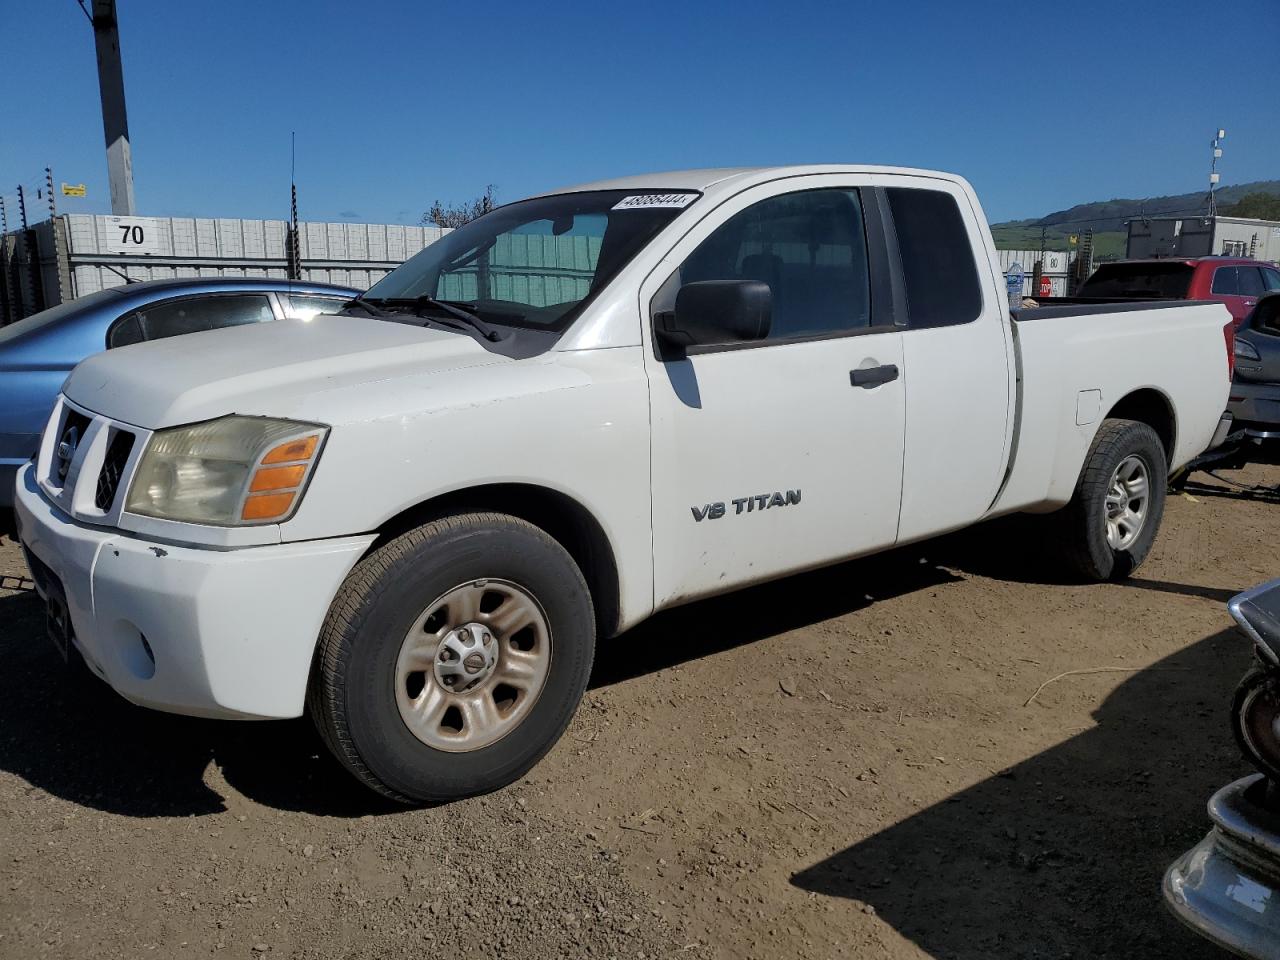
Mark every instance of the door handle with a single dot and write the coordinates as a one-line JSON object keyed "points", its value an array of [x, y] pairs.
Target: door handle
{"points": [[868, 377]]}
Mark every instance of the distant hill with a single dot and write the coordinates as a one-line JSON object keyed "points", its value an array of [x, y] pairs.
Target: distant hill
{"points": [[1107, 218]]}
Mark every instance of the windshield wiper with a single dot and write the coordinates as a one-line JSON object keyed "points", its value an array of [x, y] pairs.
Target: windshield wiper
{"points": [[457, 316], [365, 305], [465, 317]]}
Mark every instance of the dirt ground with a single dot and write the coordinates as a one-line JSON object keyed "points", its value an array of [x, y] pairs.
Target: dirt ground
{"points": [[839, 764]]}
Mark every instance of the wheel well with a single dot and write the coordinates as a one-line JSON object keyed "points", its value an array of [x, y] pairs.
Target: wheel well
{"points": [[1152, 408], [566, 520]]}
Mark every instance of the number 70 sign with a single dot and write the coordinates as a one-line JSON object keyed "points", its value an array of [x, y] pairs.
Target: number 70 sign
{"points": [[132, 235]]}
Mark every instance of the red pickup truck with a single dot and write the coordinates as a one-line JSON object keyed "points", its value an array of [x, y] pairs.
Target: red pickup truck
{"points": [[1234, 281]]}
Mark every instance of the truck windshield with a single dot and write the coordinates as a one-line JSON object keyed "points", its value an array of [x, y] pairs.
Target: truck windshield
{"points": [[1164, 281], [537, 262]]}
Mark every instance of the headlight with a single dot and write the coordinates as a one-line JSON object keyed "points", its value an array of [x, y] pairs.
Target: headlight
{"points": [[1246, 350], [233, 471]]}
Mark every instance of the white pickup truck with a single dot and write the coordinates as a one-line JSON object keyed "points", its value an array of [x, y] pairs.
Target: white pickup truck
{"points": [[416, 519]]}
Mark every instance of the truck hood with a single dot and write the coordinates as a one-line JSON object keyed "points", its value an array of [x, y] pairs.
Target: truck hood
{"points": [[265, 369]]}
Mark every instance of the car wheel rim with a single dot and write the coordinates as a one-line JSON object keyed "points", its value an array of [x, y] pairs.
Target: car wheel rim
{"points": [[1128, 502], [473, 665]]}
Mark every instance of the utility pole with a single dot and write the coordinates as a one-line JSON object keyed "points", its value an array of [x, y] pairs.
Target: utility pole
{"points": [[115, 124], [1216, 146]]}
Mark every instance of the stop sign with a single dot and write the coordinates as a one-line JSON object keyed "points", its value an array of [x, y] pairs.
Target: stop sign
{"points": [[1046, 287]]}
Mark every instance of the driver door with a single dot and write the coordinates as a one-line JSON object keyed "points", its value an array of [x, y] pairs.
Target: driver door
{"points": [[768, 457]]}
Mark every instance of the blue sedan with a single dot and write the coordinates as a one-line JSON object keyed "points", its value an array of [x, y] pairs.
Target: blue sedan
{"points": [[37, 353]]}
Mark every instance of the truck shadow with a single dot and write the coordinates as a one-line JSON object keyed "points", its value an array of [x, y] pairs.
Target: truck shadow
{"points": [[85, 744], [73, 737], [745, 616], [1075, 839], [1013, 549], [80, 741]]}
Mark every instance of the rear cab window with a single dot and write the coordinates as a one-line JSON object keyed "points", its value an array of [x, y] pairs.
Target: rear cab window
{"points": [[1156, 281], [938, 268]]}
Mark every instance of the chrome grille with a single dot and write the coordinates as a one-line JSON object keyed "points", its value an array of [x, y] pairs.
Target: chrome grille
{"points": [[85, 462]]}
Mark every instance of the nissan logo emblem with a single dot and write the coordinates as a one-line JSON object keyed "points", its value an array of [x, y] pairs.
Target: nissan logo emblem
{"points": [[67, 450]]}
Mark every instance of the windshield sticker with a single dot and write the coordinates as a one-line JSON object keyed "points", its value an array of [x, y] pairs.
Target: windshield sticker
{"points": [[647, 201]]}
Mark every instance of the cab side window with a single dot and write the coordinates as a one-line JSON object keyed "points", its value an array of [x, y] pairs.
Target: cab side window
{"points": [[176, 317], [172, 318], [1271, 278], [938, 269], [305, 307], [811, 250]]}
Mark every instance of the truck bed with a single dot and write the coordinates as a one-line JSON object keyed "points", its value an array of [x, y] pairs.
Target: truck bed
{"points": [[1078, 362]]}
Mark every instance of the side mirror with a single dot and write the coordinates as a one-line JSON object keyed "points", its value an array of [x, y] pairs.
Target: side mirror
{"points": [[716, 311]]}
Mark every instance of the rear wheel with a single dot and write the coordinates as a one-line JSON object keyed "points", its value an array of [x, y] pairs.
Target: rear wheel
{"points": [[453, 658], [1112, 520]]}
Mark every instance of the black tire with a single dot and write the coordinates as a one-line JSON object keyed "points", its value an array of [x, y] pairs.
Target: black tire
{"points": [[352, 697], [1255, 709], [1083, 522]]}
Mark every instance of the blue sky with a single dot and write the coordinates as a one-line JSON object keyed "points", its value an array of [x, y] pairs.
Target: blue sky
{"points": [[396, 104]]}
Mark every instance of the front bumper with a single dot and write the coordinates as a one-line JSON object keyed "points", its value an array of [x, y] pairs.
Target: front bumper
{"points": [[1256, 407], [1227, 887], [220, 633]]}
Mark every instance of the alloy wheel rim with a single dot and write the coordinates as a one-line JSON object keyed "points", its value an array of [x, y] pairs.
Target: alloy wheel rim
{"points": [[1127, 502], [472, 665]]}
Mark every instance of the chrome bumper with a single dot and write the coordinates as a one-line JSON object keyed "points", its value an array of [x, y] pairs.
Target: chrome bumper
{"points": [[1227, 887]]}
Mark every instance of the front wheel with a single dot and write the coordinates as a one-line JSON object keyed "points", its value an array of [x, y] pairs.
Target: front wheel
{"points": [[1111, 522], [453, 658]]}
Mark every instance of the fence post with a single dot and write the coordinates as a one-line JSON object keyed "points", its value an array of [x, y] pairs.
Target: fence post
{"points": [[6, 281], [30, 250], [57, 246], [293, 249]]}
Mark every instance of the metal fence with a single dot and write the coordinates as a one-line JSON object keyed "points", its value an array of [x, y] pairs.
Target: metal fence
{"points": [[1057, 268], [74, 254]]}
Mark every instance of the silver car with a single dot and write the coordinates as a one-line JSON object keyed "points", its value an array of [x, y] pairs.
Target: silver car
{"points": [[1227, 887]]}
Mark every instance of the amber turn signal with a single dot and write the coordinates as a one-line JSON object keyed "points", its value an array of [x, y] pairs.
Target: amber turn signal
{"points": [[264, 506], [277, 478], [291, 450], [274, 489]]}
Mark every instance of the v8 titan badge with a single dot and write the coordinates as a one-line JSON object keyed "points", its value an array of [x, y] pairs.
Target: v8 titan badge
{"points": [[760, 501]]}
